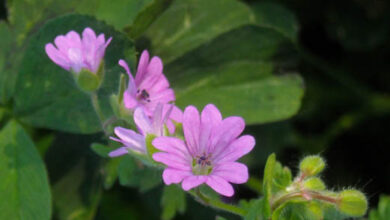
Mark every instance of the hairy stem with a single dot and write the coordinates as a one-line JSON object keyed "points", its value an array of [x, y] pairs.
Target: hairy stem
{"points": [[217, 204], [304, 195]]}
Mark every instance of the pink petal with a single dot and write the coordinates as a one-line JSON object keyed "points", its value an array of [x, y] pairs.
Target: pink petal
{"points": [[56, 56], [171, 175], [100, 40], [108, 42], [142, 121], [131, 88], [62, 44], [191, 126], [164, 96], [172, 161], [89, 35], [233, 172], [142, 67], [220, 185], [118, 152], [176, 115], [90, 47], [75, 57], [130, 138], [236, 149], [226, 132], [160, 84], [74, 40], [172, 145], [158, 120], [193, 181], [129, 100], [210, 118], [152, 75]]}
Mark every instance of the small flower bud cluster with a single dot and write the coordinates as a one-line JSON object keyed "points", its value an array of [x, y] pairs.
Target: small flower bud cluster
{"points": [[309, 189]]}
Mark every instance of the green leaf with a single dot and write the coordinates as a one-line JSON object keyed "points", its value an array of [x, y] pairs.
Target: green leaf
{"points": [[133, 173], [48, 96], [10, 56], [383, 210], [120, 13], [76, 176], [295, 211], [240, 81], [173, 200], [101, 150], [282, 178], [147, 16], [24, 187], [275, 16], [110, 165], [255, 209], [186, 25], [267, 184]]}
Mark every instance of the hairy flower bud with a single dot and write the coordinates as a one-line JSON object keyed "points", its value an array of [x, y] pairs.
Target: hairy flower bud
{"points": [[312, 165], [314, 183], [352, 202]]}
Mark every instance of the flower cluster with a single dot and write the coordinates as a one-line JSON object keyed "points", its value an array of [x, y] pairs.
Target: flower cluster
{"points": [[203, 151]]}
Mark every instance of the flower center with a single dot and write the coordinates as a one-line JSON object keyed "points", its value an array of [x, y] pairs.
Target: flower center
{"points": [[143, 95], [201, 165]]}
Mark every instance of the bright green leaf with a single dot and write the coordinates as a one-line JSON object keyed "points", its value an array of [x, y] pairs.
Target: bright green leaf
{"points": [[24, 187], [267, 184], [48, 96], [383, 210]]}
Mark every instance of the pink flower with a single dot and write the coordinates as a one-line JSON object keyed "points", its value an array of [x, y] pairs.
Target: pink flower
{"points": [[149, 87], [75, 53], [208, 154], [163, 115]]}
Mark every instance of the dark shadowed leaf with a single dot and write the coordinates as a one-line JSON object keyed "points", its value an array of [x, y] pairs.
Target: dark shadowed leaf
{"points": [[134, 173], [275, 16]]}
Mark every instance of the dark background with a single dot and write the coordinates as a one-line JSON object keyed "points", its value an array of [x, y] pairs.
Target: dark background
{"points": [[344, 59]]}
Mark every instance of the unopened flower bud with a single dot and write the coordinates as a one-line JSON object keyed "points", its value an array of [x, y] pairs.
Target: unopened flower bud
{"points": [[312, 165], [87, 80], [352, 202], [314, 183]]}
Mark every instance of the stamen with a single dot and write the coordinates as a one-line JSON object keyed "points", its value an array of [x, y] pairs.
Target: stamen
{"points": [[201, 165]]}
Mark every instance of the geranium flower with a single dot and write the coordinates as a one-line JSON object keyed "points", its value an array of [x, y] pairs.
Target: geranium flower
{"points": [[209, 152], [149, 87], [135, 141], [74, 53]]}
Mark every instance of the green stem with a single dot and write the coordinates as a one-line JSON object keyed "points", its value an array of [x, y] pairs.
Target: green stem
{"points": [[217, 204], [96, 106]]}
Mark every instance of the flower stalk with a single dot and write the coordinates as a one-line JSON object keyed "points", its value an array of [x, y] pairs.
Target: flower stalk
{"points": [[217, 204]]}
